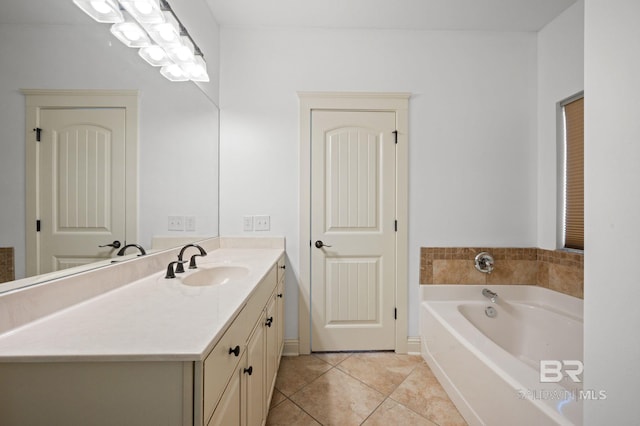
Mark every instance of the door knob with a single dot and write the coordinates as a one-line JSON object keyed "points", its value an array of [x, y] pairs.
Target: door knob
{"points": [[320, 244], [116, 244]]}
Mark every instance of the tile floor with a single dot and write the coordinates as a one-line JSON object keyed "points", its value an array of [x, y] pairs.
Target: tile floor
{"points": [[362, 388]]}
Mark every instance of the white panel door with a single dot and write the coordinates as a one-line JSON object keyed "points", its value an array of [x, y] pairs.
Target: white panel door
{"points": [[353, 230], [81, 185]]}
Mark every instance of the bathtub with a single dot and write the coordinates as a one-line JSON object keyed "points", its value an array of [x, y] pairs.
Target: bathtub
{"points": [[490, 364]]}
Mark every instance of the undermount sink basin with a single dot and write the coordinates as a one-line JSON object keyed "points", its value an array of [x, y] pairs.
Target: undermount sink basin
{"points": [[215, 275]]}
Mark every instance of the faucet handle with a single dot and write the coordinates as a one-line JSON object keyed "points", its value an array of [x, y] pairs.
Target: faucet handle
{"points": [[170, 272], [484, 262], [192, 261]]}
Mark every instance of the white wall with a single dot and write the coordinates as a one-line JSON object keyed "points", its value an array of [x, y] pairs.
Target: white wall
{"points": [[472, 131], [560, 75], [178, 124], [612, 210]]}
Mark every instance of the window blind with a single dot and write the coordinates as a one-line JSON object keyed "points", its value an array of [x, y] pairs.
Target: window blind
{"points": [[574, 174]]}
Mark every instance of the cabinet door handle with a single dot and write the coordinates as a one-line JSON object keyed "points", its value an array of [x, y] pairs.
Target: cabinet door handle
{"points": [[249, 370], [279, 294], [283, 267], [269, 321], [235, 351]]}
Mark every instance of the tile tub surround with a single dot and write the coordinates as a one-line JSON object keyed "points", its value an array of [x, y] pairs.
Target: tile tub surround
{"points": [[7, 268], [557, 270]]}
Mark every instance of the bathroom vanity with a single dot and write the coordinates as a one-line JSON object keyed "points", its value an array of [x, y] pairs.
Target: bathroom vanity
{"points": [[199, 349]]}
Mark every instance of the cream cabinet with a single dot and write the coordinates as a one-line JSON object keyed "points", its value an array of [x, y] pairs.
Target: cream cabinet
{"points": [[249, 377], [231, 386]]}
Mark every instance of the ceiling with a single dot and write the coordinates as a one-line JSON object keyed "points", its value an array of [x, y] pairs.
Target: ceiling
{"points": [[469, 15]]}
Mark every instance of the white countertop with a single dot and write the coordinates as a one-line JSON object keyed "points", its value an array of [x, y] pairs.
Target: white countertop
{"points": [[149, 319]]}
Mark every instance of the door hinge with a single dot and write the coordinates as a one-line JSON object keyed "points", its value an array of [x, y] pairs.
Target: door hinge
{"points": [[395, 313], [38, 131], [38, 225], [395, 135], [396, 225]]}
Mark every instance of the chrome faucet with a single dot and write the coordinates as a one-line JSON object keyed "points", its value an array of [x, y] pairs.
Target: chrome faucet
{"points": [[192, 264], [123, 249], [490, 294]]}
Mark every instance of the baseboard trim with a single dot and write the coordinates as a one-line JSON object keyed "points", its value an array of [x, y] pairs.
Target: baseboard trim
{"points": [[291, 347], [413, 345]]}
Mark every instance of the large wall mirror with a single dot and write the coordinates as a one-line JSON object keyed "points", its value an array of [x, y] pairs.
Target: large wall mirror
{"points": [[53, 45]]}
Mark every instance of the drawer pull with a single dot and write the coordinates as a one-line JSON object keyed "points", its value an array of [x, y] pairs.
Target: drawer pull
{"points": [[235, 351], [249, 370], [269, 321]]}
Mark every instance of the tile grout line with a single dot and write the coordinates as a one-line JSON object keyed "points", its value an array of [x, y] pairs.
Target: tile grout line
{"points": [[386, 397]]}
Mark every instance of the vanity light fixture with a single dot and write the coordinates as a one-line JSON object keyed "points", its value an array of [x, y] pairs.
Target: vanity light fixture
{"points": [[140, 23], [167, 32], [144, 11], [182, 53], [105, 11], [174, 72], [131, 33], [154, 55], [197, 70]]}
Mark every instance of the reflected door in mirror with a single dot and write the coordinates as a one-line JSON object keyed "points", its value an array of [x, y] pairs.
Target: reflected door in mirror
{"points": [[81, 185]]}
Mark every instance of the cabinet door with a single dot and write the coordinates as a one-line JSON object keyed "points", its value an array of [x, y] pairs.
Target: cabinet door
{"points": [[227, 412], [272, 323], [280, 317], [254, 375]]}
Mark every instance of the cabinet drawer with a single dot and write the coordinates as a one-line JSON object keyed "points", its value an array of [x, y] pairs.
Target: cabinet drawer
{"points": [[221, 362]]}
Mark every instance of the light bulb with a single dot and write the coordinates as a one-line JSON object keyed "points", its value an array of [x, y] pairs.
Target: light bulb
{"points": [[131, 34], [100, 6], [144, 8], [156, 53]]}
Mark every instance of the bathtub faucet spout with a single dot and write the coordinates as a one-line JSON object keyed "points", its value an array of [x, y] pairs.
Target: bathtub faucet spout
{"points": [[490, 294]]}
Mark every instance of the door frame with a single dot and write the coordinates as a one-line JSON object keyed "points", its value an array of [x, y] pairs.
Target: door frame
{"points": [[349, 101], [38, 99]]}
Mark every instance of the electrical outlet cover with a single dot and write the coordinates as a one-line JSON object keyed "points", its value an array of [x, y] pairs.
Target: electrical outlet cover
{"points": [[176, 223], [261, 223]]}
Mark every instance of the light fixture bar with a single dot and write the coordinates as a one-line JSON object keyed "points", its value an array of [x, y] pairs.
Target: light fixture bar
{"points": [[165, 6]]}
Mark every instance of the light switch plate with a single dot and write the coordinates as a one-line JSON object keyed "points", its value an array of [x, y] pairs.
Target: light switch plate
{"points": [[189, 223], [247, 223], [261, 223]]}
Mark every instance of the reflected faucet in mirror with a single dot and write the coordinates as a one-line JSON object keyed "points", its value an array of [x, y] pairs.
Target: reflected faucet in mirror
{"points": [[139, 247], [192, 264]]}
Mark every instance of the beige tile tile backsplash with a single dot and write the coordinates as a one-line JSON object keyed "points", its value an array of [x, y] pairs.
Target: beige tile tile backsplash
{"points": [[554, 269]]}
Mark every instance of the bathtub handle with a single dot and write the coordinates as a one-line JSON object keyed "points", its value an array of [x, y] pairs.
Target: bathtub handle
{"points": [[320, 244]]}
